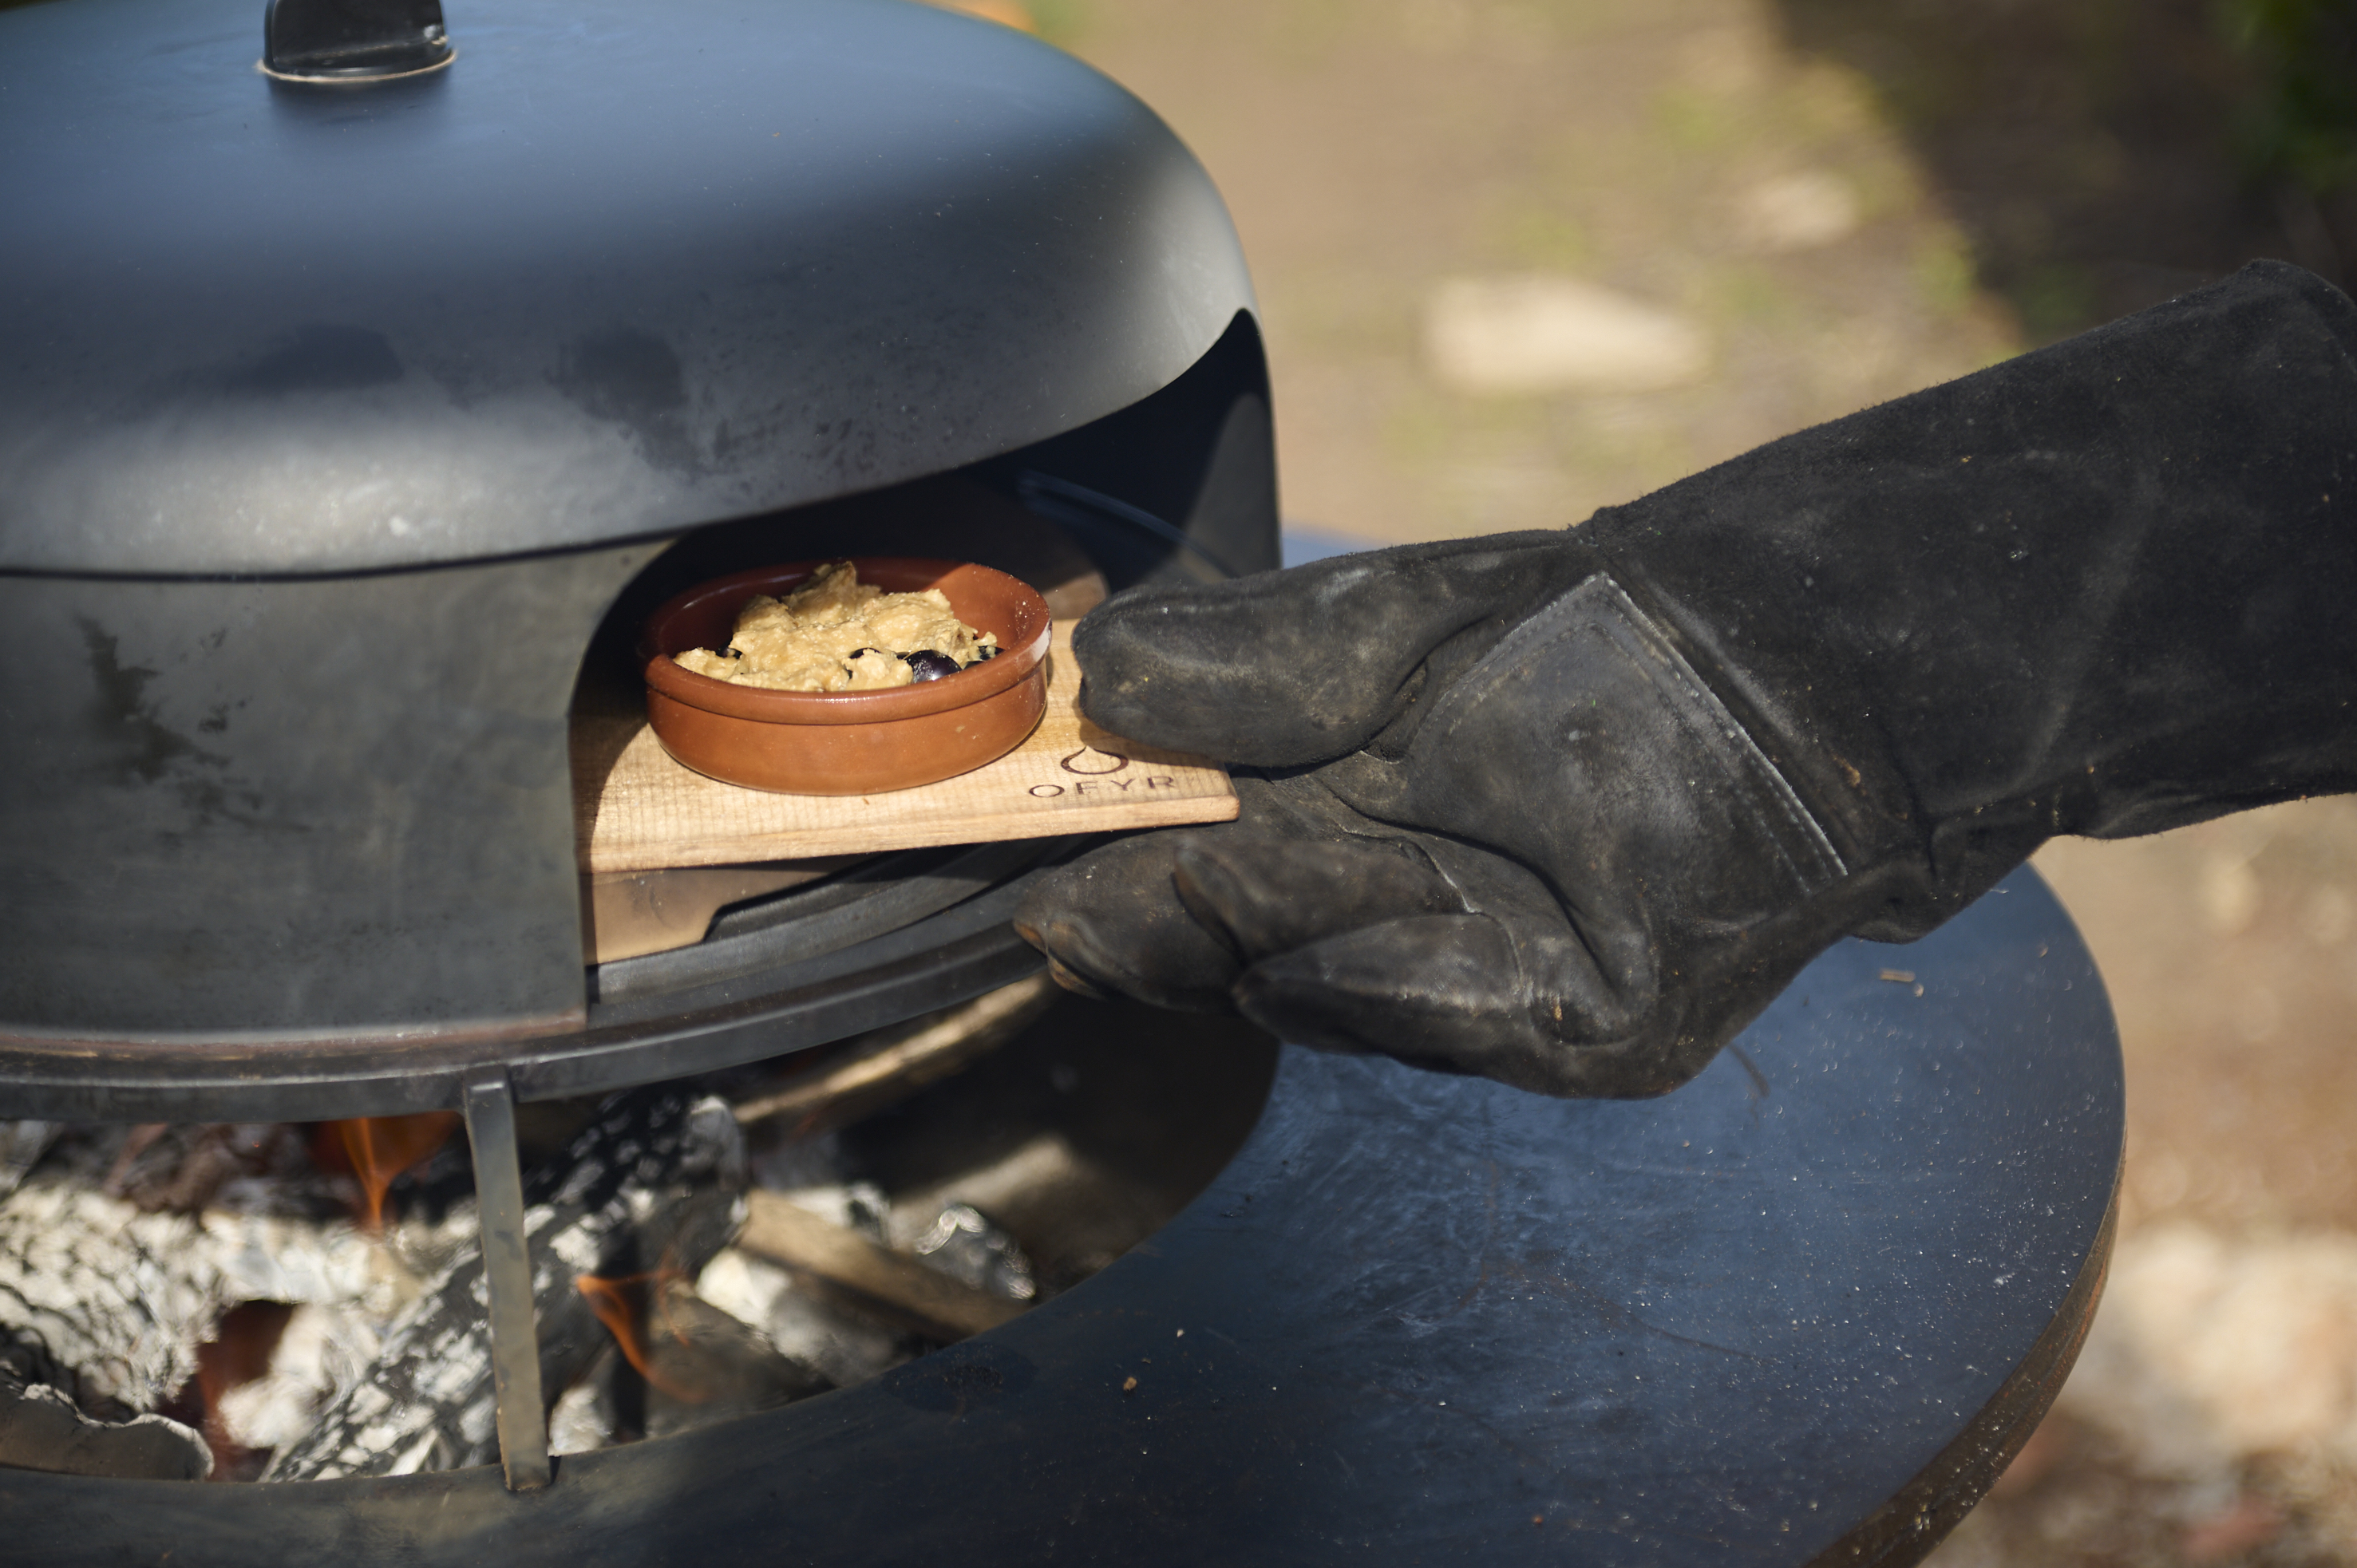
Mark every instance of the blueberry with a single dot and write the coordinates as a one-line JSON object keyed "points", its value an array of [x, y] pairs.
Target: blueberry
{"points": [[929, 665]]}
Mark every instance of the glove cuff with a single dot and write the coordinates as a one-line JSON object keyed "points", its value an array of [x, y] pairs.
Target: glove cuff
{"points": [[2100, 589]]}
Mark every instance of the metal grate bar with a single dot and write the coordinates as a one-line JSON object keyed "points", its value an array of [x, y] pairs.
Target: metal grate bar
{"points": [[507, 1281]]}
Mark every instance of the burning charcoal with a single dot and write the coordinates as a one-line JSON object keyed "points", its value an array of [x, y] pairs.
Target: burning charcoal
{"points": [[40, 1429], [649, 1185], [685, 1363], [121, 1300], [180, 1169], [807, 1324], [965, 1246], [319, 1350], [117, 1301]]}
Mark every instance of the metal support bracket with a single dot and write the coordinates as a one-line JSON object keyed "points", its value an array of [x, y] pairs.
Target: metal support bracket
{"points": [[506, 1282]]}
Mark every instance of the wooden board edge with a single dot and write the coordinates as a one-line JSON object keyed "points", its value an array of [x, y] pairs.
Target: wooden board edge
{"points": [[865, 838]]}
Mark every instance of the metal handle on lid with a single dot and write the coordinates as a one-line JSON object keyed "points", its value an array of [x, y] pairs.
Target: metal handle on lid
{"points": [[353, 40]]}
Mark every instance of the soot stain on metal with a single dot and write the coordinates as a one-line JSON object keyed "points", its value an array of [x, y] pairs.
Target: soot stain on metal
{"points": [[126, 715], [150, 751], [634, 380], [974, 1372], [320, 357]]}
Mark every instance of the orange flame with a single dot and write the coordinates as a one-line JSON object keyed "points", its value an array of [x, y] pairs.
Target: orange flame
{"points": [[381, 1148], [619, 1305]]}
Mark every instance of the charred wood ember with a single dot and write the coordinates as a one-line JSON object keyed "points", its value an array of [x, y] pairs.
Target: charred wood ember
{"points": [[41, 1429], [238, 1355], [226, 1276], [650, 1184], [887, 1065], [183, 1169], [707, 1366], [267, 1391], [113, 1305], [22, 1144], [805, 1320], [930, 1300], [678, 1363], [963, 1244]]}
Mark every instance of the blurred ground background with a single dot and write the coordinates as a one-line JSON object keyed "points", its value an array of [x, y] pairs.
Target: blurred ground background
{"points": [[1522, 258]]}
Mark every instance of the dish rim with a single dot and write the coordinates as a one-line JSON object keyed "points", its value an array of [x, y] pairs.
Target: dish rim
{"points": [[1017, 658]]}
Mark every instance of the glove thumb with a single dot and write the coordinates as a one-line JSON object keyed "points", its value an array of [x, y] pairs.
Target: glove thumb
{"points": [[1287, 668]]}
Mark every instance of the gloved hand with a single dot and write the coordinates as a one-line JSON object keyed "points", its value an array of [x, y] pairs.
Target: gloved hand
{"points": [[1569, 809]]}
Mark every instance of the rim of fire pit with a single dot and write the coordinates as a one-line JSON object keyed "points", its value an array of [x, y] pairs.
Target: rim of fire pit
{"points": [[930, 938], [1801, 1311]]}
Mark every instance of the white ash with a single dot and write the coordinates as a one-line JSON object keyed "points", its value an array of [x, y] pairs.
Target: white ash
{"points": [[116, 1299], [801, 1321], [855, 1206], [808, 1322], [973, 1251], [321, 1351], [846, 1347], [584, 1419], [266, 1258]]}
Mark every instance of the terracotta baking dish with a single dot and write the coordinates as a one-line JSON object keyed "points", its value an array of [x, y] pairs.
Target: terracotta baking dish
{"points": [[849, 743]]}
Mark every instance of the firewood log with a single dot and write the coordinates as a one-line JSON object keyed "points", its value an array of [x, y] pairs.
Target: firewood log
{"points": [[108, 1302], [40, 1429], [651, 1183], [102, 1302]]}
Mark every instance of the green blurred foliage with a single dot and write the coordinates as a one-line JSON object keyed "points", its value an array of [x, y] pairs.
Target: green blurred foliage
{"points": [[2302, 124], [1061, 22]]}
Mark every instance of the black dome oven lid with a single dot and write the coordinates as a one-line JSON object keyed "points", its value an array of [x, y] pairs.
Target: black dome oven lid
{"points": [[620, 267]]}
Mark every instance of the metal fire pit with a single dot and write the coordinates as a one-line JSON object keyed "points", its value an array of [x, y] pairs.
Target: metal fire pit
{"points": [[345, 394], [1801, 1311]]}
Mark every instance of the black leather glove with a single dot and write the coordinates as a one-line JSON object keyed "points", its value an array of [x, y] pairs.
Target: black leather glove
{"points": [[1569, 809]]}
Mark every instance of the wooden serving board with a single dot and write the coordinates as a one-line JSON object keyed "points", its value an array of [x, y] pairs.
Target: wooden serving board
{"points": [[637, 810]]}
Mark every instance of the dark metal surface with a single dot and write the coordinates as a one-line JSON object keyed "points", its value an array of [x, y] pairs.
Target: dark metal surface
{"points": [[792, 1005], [489, 1109], [865, 902], [621, 268], [1198, 460], [1423, 1319], [310, 808], [1922, 1513]]}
